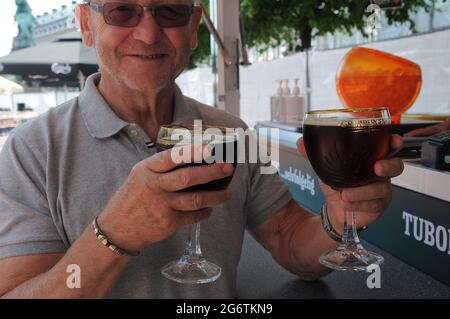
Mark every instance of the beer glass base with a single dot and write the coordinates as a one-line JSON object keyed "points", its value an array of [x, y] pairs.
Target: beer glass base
{"points": [[350, 260], [191, 270]]}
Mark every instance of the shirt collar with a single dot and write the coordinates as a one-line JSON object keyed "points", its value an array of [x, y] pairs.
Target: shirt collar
{"points": [[102, 122]]}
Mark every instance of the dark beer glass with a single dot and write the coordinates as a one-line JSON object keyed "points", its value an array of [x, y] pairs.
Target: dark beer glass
{"points": [[192, 267], [343, 147]]}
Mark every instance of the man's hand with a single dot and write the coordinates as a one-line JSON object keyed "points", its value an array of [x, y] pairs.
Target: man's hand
{"points": [[368, 201], [149, 207], [296, 238], [430, 130]]}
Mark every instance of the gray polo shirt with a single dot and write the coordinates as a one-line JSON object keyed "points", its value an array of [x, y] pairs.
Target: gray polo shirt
{"points": [[58, 172]]}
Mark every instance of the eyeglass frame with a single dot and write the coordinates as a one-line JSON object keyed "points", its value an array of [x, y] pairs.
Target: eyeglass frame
{"points": [[151, 8]]}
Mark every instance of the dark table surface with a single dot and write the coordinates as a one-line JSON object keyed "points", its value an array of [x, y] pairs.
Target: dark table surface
{"points": [[260, 277]]}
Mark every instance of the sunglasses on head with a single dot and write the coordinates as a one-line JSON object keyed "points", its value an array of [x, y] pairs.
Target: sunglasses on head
{"points": [[130, 14]]}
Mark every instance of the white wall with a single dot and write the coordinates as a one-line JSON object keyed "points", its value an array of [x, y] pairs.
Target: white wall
{"points": [[198, 84], [430, 51], [258, 82]]}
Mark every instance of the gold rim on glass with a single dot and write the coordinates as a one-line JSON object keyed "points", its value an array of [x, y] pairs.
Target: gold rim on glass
{"points": [[166, 131], [369, 109]]}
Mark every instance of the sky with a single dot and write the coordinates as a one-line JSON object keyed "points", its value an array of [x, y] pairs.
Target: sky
{"points": [[8, 29]]}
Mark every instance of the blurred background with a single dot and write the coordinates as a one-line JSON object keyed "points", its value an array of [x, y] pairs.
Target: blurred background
{"points": [[43, 62]]}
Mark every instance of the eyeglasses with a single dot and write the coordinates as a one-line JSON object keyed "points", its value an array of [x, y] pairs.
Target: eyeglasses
{"points": [[130, 14]]}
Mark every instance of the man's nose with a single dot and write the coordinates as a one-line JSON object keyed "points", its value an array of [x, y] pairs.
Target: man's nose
{"points": [[147, 31]]}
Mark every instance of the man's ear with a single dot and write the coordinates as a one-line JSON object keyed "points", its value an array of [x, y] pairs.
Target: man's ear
{"points": [[196, 19], [83, 15]]}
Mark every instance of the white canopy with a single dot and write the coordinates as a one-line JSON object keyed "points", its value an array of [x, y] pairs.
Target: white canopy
{"points": [[7, 86]]}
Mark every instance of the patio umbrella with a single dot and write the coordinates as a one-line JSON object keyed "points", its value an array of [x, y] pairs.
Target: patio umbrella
{"points": [[7, 86], [64, 62]]}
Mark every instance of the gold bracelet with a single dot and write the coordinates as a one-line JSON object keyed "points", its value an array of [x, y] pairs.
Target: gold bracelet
{"points": [[104, 240]]}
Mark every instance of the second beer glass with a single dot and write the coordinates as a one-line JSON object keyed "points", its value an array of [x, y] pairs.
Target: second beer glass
{"points": [[343, 147]]}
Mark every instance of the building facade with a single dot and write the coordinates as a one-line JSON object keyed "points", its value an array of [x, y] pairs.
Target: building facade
{"points": [[50, 26]]}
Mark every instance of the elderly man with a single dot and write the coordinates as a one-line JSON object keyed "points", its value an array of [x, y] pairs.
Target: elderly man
{"points": [[88, 159]]}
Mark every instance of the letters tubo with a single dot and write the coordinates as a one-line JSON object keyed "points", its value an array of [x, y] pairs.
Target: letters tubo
{"points": [[425, 231]]}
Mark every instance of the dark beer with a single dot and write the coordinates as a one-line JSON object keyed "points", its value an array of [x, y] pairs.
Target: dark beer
{"points": [[343, 154], [228, 144], [343, 147]]}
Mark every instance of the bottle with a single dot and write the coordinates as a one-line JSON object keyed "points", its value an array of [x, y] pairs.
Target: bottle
{"points": [[295, 108], [280, 87], [275, 102], [296, 89], [286, 89]]}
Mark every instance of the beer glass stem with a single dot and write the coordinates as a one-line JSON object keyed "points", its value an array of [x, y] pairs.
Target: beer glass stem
{"points": [[193, 243], [350, 238]]}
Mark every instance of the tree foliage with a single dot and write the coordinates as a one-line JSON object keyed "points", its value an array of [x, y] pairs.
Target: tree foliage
{"points": [[203, 51], [297, 22]]}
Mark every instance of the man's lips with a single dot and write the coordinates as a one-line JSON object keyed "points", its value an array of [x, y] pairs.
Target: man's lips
{"points": [[155, 56]]}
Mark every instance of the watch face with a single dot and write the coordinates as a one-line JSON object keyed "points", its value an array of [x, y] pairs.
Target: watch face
{"points": [[388, 4]]}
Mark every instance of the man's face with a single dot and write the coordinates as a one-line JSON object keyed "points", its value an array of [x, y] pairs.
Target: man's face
{"points": [[143, 58]]}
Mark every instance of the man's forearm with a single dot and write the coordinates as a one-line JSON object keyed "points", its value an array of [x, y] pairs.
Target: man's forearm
{"points": [[309, 242], [99, 270], [302, 240]]}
